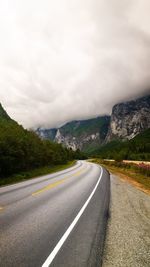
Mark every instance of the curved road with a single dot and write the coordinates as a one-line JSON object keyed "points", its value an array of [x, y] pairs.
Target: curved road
{"points": [[55, 220]]}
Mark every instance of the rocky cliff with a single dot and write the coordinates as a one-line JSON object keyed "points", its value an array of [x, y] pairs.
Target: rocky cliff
{"points": [[84, 135], [129, 119]]}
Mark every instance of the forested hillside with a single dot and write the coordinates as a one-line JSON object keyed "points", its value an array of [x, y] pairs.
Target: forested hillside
{"points": [[4, 115], [22, 150], [136, 149]]}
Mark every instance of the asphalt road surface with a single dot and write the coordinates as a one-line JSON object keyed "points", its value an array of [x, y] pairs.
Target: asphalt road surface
{"points": [[55, 220]]}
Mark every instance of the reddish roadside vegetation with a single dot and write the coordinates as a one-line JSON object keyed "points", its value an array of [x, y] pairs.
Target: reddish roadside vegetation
{"points": [[136, 174]]}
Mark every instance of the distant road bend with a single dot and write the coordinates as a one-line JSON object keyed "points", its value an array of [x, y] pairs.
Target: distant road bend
{"points": [[55, 220]]}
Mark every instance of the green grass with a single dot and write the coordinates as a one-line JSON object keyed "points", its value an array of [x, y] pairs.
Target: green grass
{"points": [[130, 170], [34, 173]]}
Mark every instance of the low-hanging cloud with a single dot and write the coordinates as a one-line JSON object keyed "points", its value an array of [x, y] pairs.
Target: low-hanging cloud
{"points": [[72, 59]]}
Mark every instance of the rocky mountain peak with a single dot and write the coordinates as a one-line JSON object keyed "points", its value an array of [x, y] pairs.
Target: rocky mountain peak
{"points": [[129, 119]]}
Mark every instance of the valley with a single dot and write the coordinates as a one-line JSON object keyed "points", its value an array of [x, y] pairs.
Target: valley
{"points": [[123, 135]]}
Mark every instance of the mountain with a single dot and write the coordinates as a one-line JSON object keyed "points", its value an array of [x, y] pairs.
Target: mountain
{"points": [[84, 135], [129, 119]]}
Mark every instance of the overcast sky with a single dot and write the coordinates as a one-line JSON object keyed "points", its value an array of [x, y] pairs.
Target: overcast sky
{"points": [[72, 59]]}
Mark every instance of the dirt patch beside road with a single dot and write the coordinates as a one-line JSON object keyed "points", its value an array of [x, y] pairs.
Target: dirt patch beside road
{"points": [[126, 178], [128, 236]]}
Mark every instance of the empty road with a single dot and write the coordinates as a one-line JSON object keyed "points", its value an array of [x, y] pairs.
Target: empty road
{"points": [[55, 220]]}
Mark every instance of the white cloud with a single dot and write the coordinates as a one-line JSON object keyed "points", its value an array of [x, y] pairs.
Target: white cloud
{"points": [[71, 59]]}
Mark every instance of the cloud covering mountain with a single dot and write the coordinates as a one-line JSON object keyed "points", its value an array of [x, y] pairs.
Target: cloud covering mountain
{"points": [[71, 59]]}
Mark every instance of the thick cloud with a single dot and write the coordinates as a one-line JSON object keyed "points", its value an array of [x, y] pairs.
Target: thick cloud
{"points": [[71, 59]]}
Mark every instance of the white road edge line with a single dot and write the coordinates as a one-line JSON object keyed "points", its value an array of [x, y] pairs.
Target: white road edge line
{"points": [[72, 225]]}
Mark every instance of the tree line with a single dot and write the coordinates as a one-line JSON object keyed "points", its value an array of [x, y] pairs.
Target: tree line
{"points": [[22, 150], [137, 148]]}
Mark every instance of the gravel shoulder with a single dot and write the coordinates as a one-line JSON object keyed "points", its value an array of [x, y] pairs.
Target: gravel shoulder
{"points": [[128, 235]]}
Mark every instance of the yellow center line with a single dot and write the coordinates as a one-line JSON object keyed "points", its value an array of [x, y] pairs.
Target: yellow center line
{"points": [[48, 187], [55, 184], [77, 173]]}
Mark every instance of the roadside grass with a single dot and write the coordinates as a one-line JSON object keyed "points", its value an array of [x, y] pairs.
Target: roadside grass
{"points": [[20, 177], [129, 172]]}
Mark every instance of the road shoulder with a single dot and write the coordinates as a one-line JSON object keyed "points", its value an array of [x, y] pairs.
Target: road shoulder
{"points": [[128, 235]]}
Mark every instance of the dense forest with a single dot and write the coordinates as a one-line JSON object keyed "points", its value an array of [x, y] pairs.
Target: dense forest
{"points": [[22, 150], [137, 148]]}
